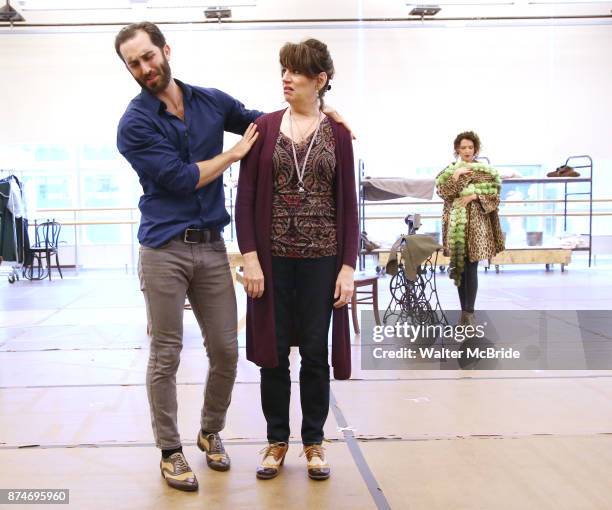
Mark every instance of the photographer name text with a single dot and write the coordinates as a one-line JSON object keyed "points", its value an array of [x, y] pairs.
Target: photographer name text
{"points": [[446, 353]]}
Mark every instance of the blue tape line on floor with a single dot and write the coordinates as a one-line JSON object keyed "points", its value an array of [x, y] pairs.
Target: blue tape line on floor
{"points": [[367, 475]]}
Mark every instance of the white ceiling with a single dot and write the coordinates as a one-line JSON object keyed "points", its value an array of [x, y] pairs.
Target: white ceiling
{"points": [[124, 11]]}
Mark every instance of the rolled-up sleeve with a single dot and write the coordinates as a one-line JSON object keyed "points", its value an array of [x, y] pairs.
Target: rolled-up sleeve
{"points": [[152, 155]]}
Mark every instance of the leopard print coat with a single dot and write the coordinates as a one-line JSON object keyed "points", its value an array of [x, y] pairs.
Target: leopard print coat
{"points": [[484, 237]]}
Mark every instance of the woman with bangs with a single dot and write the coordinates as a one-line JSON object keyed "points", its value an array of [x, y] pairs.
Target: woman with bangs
{"points": [[296, 221]]}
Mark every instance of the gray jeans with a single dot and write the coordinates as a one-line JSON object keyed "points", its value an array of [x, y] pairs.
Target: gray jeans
{"points": [[202, 273]]}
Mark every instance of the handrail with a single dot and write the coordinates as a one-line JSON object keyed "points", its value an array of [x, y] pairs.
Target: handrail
{"points": [[86, 209], [502, 202], [423, 216], [507, 215], [368, 204], [99, 222], [75, 223]]}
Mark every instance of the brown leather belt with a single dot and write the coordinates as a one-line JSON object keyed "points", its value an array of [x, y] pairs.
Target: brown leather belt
{"points": [[200, 235]]}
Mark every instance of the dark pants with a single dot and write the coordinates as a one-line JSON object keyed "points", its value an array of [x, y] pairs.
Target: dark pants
{"points": [[303, 299], [468, 286]]}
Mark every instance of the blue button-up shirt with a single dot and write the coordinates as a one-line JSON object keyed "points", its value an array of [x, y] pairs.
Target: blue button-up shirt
{"points": [[163, 150]]}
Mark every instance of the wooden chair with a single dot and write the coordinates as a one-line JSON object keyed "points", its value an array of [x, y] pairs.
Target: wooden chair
{"points": [[364, 297], [46, 243]]}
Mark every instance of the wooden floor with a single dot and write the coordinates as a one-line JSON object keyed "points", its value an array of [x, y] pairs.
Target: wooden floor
{"points": [[74, 412]]}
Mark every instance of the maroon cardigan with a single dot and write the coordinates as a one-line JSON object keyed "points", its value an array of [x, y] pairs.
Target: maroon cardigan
{"points": [[253, 227]]}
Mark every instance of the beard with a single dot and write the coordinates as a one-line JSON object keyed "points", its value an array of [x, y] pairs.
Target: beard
{"points": [[164, 77]]}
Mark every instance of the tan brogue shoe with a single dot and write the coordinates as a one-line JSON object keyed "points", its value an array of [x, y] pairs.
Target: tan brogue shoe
{"points": [[216, 456], [273, 459], [317, 466], [177, 473]]}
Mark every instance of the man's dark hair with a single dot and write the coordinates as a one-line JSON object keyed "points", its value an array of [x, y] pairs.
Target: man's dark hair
{"points": [[130, 31]]}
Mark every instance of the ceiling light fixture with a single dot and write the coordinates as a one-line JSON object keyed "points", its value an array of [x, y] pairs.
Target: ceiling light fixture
{"points": [[217, 13], [425, 10], [7, 13]]}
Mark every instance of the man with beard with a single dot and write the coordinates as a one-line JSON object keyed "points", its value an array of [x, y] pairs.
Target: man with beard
{"points": [[172, 135]]}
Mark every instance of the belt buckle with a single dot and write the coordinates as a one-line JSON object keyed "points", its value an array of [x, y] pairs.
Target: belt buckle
{"points": [[186, 234]]}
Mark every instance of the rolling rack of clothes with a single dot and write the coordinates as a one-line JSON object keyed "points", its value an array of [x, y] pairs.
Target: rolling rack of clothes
{"points": [[13, 226]]}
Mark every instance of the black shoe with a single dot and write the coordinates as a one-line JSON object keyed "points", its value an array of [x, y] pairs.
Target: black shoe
{"points": [[212, 446]]}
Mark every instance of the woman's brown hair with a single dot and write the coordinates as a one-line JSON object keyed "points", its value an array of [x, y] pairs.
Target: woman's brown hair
{"points": [[467, 135], [310, 57]]}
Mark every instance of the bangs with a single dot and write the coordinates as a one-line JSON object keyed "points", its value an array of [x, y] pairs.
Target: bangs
{"points": [[299, 57]]}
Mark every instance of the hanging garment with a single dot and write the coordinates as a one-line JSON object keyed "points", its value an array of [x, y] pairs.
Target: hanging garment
{"points": [[16, 204], [14, 241]]}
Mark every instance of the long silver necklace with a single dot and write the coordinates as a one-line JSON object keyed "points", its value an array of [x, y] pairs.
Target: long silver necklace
{"points": [[300, 173]]}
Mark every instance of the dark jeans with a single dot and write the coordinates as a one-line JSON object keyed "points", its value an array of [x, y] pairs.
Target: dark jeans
{"points": [[303, 299], [468, 286]]}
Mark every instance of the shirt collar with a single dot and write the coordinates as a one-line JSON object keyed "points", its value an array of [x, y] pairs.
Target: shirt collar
{"points": [[153, 104]]}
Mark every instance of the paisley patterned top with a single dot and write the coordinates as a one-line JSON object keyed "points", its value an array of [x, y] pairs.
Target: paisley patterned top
{"points": [[304, 224]]}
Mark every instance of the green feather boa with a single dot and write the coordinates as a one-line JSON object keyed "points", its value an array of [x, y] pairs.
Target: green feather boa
{"points": [[488, 182]]}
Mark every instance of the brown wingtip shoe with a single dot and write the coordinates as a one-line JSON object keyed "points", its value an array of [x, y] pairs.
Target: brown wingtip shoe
{"points": [[568, 171], [318, 468], [273, 459], [216, 456], [177, 473], [563, 171]]}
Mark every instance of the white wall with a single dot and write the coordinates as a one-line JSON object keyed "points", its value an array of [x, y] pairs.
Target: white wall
{"points": [[534, 93]]}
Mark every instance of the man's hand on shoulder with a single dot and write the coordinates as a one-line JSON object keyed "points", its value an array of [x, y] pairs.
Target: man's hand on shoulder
{"points": [[331, 112], [242, 148], [213, 168]]}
